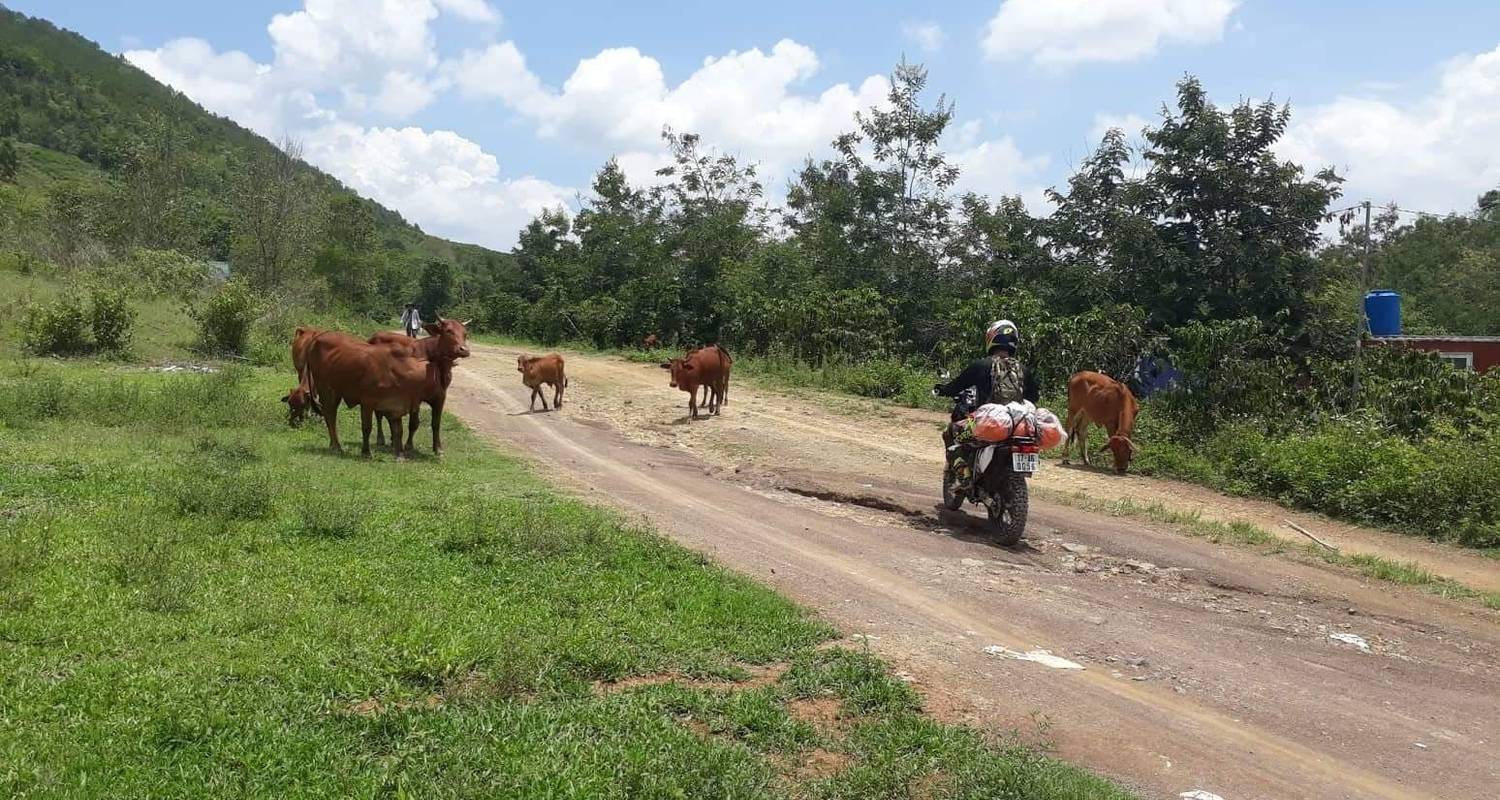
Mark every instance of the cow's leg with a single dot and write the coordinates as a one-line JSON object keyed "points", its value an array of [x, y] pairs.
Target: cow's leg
{"points": [[693, 403], [1083, 441], [412, 422], [379, 430], [437, 427], [396, 437], [534, 392], [557, 395], [366, 416], [1070, 428], [331, 416]]}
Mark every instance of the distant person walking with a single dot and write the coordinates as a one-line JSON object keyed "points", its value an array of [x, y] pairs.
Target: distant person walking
{"points": [[411, 320]]}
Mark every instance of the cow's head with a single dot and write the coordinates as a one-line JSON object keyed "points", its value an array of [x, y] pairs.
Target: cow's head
{"points": [[298, 401], [452, 336], [523, 361], [682, 371], [1122, 449]]}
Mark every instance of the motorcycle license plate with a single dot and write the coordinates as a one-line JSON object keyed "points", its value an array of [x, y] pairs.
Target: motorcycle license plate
{"points": [[1024, 462]]}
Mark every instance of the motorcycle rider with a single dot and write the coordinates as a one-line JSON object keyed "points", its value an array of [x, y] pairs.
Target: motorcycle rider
{"points": [[998, 377]]}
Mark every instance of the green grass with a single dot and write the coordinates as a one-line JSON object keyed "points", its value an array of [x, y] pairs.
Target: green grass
{"points": [[1244, 533], [197, 601], [163, 331], [41, 167]]}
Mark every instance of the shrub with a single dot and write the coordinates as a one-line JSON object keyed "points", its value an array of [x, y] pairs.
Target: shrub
{"points": [[224, 319], [168, 272], [111, 318], [55, 328]]}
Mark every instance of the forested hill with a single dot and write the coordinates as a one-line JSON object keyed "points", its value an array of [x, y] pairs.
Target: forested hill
{"points": [[164, 173]]}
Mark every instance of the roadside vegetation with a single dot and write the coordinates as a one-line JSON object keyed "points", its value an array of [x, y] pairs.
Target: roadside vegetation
{"points": [[196, 599], [1243, 533]]}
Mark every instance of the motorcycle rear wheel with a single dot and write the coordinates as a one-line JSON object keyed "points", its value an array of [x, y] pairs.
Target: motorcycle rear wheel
{"points": [[1008, 511], [952, 500]]}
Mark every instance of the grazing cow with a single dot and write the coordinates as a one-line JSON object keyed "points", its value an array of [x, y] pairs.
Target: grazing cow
{"points": [[298, 401], [426, 349], [537, 370], [383, 379], [707, 367], [1097, 398], [651, 342]]}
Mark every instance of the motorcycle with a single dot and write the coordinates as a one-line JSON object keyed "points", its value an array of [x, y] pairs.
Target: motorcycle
{"points": [[1000, 471]]}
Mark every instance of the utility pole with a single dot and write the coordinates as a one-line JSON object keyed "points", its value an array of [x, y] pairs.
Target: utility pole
{"points": [[1359, 299]]}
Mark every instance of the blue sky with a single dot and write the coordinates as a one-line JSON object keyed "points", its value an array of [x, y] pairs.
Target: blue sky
{"points": [[469, 115]]}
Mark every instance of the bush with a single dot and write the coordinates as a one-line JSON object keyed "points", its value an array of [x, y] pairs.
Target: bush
{"points": [[168, 272], [55, 328], [111, 318], [224, 319]]}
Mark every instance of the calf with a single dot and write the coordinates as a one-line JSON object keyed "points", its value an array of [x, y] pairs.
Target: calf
{"points": [[707, 367], [651, 342], [298, 401], [1097, 398], [537, 370]]}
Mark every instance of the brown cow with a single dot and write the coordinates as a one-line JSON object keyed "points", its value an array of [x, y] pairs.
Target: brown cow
{"points": [[1096, 398], [651, 342], [425, 348], [298, 401], [383, 379], [537, 370], [707, 367]]}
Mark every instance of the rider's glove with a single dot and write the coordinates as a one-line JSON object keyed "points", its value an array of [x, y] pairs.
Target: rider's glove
{"points": [[937, 390]]}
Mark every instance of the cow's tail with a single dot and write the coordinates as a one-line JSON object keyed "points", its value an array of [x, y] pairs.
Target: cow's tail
{"points": [[1125, 423]]}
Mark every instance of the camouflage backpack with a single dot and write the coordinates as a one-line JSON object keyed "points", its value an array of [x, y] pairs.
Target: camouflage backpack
{"points": [[1006, 380]]}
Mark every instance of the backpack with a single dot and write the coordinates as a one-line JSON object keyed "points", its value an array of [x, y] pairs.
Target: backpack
{"points": [[1007, 381]]}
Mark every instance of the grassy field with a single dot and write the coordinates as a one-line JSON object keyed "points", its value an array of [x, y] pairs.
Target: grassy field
{"points": [[197, 601]]}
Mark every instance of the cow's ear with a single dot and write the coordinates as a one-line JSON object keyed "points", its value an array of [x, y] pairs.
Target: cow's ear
{"points": [[287, 398], [666, 365], [433, 328]]}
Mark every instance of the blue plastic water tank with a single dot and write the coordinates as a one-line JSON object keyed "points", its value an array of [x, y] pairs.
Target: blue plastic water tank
{"points": [[1383, 310]]}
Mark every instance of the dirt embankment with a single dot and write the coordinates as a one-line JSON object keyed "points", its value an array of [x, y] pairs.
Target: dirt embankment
{"points": [[1202, 666]]}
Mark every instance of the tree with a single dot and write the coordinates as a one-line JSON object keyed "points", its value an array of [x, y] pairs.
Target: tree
{"points": [[276, 215], [10, 162], [152, 208], [883, 222], [1217, 227], [712, 217], [435, 288]]}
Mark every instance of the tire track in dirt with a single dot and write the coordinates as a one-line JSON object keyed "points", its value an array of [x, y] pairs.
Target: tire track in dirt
{"points": [[1213, 670]]}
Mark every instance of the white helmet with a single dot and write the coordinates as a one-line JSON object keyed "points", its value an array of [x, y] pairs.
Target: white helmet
{"points": [[1002, 333]]}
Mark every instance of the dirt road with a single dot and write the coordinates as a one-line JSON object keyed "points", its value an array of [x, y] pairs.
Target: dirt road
{"points": [[1203, 666]]}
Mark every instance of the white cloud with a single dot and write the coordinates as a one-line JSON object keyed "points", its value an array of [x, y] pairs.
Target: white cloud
{"points": [[1434, 153], [442, 181], [368, 55], [1063, 32], [745, 102], [471, 10], [1129, 124], [231, 84], [403, 94], [997, 167], [330, 42], [926, 36]]}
